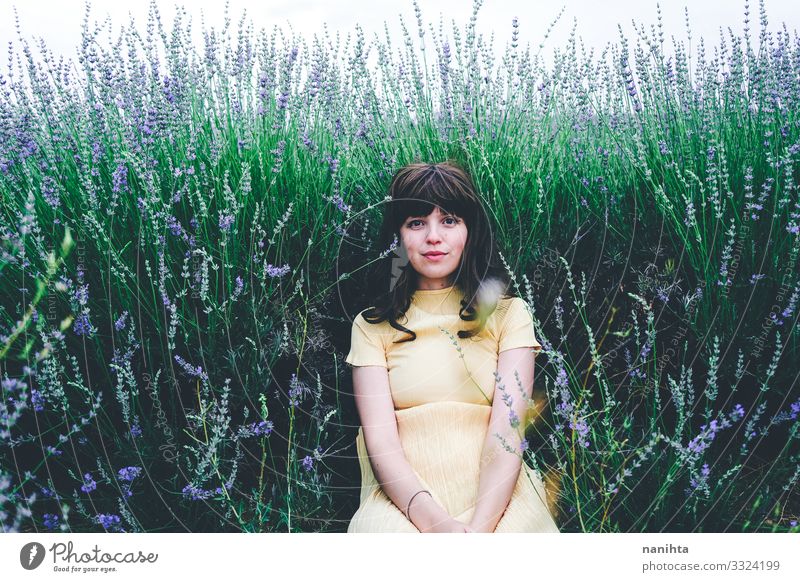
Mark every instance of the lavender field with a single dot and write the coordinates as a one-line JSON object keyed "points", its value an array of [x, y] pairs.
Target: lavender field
{"points": [[185, 237]]}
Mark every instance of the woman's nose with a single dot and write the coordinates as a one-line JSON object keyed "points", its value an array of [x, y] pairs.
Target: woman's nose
{"points": [[434, 234]]}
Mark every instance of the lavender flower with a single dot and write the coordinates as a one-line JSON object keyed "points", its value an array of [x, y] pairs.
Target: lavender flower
{"points": [[791, 414], [11, 384], [119, 324], [225, 221], [273, 271], [129, 473], [582, 428], [297, 390], [89, 484], [333, 163], [195, 493], [340, 204], [50, 520], [283, 100], [707, 432], [83, 326], [513, 418], [37, 400], [49, 192], [701, 481], [786, 313], [81, 294], [191, 370], [174, 226], [119, 179], [108, 521], [261, 428]]}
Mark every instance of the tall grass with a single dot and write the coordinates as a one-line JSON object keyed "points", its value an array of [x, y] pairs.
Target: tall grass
{"points": [[186, 234]]}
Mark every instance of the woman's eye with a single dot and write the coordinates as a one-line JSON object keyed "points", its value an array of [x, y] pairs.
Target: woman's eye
{"points": [[453, 220]]}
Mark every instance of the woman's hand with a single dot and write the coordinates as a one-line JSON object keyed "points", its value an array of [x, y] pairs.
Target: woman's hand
{"points": [[476, 528], [449, 525]]}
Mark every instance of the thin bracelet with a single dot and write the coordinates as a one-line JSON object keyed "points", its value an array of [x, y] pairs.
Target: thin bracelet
{"points": [[408, 507]]}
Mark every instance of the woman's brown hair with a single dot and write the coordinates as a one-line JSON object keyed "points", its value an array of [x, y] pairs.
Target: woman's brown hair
{"points": [[415, 190]]}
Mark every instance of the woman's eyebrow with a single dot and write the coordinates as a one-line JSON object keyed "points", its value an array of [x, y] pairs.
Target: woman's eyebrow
{"points": [[444, 215]]}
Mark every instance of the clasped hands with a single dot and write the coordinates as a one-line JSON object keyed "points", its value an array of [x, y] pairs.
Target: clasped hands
{"points": [[434, 519], [452, 525]]}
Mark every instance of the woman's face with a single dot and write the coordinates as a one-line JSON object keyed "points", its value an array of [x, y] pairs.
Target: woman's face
{"points": [[441, 233]]}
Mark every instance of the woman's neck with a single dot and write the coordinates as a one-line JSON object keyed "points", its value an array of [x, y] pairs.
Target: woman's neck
{"points": [[444, 300]]}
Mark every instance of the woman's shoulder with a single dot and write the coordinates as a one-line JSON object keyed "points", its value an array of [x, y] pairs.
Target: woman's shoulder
{"points": [[509, 304], [513, 307], [378, 328], [361, 316]]}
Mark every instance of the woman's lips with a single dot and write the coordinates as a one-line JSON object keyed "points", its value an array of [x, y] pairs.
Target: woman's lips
{"points": [[435, 257]]}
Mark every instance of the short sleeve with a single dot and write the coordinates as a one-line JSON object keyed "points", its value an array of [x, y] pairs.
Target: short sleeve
{"points": [[516, 329], [366, 347]]}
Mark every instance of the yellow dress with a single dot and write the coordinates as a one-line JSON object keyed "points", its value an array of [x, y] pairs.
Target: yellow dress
{"points": [[443, 401]]}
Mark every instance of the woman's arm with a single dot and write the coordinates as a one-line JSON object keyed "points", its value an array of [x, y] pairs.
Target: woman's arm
{"points": [[389, 464], [500, 468]]}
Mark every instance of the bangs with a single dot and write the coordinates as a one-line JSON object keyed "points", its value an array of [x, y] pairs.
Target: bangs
{"points": [[420, 197]]}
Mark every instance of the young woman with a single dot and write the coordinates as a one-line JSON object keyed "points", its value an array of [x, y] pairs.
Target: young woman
{"points": [[441, 435]]}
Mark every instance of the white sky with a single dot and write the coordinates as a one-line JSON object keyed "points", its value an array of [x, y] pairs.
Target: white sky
{"points": [[58, 22]]}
